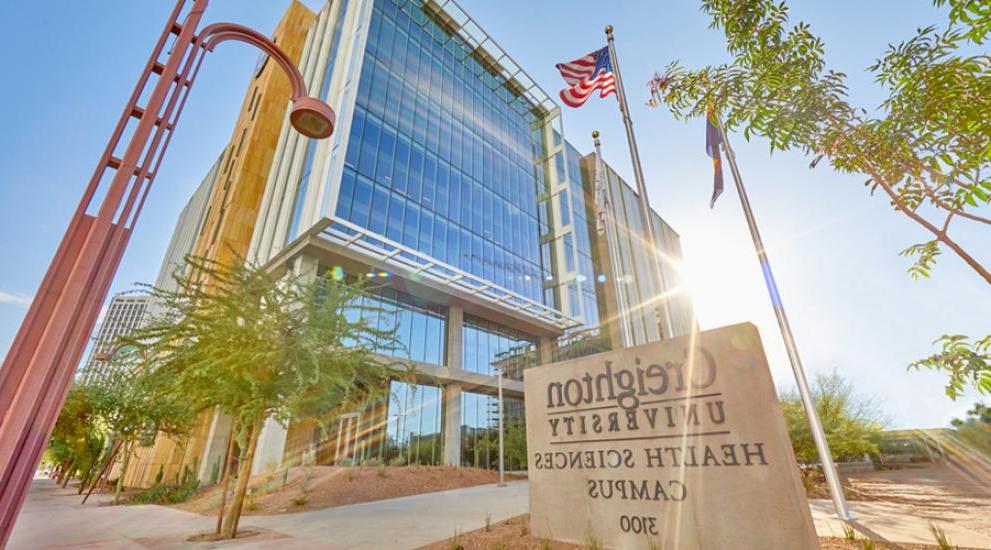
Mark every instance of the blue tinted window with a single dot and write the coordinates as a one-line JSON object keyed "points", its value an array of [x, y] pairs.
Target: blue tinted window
{"points": [[443, 133]]}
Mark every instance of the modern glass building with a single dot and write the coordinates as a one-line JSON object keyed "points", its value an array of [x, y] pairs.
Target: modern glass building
{"points": [[448, 181]]}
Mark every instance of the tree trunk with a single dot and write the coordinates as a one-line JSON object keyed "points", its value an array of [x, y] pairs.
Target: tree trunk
{"points": [[226, 482], [63, 469], [123, 471], [103, 471], [88, 476], [243, 477], [67, 473]]}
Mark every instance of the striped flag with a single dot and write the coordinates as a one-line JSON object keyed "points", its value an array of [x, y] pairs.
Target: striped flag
{"points": [[585, 75]]}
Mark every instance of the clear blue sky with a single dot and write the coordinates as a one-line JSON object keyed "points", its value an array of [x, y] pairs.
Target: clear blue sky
{"points": [[69, 67]]}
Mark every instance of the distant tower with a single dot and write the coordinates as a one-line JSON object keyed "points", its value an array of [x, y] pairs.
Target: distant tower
{"points": [[124, 314]]}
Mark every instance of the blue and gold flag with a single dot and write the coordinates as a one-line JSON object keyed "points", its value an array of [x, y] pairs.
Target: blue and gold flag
{"points": [[713, 139]]}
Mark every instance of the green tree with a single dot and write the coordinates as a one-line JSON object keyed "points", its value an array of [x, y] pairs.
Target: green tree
{"points": [[926, 147], [133, 401], [852, 423], [975, 429], [76, 440], [266, 347]]}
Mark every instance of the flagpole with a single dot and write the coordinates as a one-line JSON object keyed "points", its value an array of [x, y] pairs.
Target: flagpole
{"points": [[815, 425], [667, 328]]}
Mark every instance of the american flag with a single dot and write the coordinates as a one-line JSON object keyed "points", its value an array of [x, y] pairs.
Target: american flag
{"points": [[585, 75]]}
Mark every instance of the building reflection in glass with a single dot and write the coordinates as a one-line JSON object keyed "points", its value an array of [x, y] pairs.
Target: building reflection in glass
{"points": [[480, 429], [489, 346]]}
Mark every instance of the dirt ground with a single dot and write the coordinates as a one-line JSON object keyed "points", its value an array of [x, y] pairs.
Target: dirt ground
{"points": [[318, 487], [514, 534], [944, 493]]}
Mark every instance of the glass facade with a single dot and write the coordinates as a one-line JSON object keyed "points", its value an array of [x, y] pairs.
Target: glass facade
{"points": [[487, 346], [439, 159], [311, 145], [480, 429], [421, 326], [414, 427], [582, 291], [406, 427]]}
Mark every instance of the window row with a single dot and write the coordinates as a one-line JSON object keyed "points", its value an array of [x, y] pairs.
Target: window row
{"points": [[420, 327], [387, 213], [432, 182]]}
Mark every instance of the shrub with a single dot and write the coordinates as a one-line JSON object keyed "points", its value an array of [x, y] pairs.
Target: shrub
{"points": [[852, 422], [166, 494]]}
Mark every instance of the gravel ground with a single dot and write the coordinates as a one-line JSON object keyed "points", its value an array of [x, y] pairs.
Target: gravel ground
{"points": [[514, 534], [319, 487]]}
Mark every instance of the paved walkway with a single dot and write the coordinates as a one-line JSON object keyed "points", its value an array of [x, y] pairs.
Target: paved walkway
{"points": [[53, 518], [889, 521]]}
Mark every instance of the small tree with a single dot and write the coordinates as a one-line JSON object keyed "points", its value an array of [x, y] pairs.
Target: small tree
{"points": [[264, 348], [76, 440], [852, 423], [975, 429], [926, 148], [132, 401]]}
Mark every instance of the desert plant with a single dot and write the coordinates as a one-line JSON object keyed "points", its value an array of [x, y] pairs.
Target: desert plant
{"points": [[300, 500], [849, 533], [306, 481], [852, 423], [456, 543], [942, 541], [868, 544], [383, 472], [592, 542], [266, 348], [166, 494]]}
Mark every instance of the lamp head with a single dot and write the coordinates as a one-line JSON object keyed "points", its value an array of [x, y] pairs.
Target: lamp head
{"points": [[312, 117]]}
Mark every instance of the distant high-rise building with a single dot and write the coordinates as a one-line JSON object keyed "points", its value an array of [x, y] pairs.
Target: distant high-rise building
{"points": [[125, 313]]}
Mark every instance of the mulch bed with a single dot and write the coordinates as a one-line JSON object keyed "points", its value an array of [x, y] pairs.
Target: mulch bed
{"points": [[319, 487], [514, 534]]}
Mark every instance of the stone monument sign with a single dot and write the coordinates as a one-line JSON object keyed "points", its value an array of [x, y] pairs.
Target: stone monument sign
{"points": [[678, 444]]}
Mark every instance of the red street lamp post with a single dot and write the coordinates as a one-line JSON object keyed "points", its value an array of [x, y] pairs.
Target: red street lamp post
{"points": [[38, 368]]}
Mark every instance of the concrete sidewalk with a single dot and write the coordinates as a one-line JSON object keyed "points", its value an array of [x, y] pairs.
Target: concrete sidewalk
{"points": [[891, 522], [53, 518]]}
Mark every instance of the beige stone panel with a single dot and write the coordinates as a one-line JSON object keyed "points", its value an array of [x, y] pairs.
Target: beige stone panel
{"points": [[680, 444]]}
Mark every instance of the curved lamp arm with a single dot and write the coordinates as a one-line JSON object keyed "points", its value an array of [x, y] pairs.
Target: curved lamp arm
{"points": [[310, 116]]}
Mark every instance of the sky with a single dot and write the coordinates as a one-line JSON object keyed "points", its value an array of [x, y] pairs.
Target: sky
{"points": [[833, 247]]}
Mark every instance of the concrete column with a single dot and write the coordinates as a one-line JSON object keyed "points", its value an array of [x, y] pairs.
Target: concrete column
{"points": [[271, 448], [215, 447], [546, 348], [452, 391], [305, 267], [452, 425]]}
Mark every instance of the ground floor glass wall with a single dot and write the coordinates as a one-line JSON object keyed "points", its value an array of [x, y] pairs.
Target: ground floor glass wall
{"points": [[480, 429], [404, 427]]}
